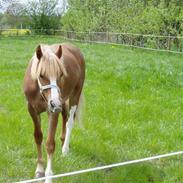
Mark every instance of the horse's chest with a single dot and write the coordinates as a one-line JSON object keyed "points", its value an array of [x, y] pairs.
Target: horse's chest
{"points": [[39, 105]]}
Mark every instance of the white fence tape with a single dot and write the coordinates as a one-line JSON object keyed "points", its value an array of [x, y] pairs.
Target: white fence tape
{"points": [[104, 167]]}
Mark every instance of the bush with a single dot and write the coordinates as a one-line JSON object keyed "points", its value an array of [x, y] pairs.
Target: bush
{"points": [[15, 32]]}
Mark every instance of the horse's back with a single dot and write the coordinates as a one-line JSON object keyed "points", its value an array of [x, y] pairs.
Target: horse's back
{"points": [[69, 50], [73, 59]]}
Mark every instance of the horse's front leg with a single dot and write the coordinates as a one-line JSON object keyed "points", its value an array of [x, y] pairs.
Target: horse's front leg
{"points": [[50, 144], [69, 126], [64, 120], [38, 136]]}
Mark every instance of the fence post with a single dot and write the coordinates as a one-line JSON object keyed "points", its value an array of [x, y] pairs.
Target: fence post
{"points": [[169, 42]]}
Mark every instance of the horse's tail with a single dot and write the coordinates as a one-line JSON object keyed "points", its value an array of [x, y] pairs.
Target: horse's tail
{"points": [[80, 108]]}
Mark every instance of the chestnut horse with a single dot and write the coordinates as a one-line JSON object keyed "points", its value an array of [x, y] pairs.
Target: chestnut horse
{"points": [[53, 82]]}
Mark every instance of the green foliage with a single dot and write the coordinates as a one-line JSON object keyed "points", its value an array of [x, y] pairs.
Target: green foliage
{"points": [[163, 17]]}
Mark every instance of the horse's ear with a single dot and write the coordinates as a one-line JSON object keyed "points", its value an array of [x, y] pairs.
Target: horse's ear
{"points": [[39, 52], [59, 52]]}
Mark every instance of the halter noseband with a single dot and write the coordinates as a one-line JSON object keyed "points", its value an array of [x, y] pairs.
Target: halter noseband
{"points": [[45, 87]]}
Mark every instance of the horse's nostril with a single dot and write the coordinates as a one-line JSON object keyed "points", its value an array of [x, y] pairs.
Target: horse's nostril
{"points": [[52, 104]]}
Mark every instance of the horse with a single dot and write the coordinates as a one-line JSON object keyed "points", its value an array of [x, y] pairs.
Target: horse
{"points": [[53, 83]]}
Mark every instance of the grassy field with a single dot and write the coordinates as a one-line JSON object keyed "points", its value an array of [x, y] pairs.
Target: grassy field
{"points": [[134, 109]]}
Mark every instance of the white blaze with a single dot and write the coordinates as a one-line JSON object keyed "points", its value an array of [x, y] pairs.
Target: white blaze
{"points": [[54, 90]]}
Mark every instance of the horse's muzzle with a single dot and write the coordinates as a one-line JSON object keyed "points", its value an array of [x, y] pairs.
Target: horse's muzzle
{"points": [[54, 106], [53, 110]]}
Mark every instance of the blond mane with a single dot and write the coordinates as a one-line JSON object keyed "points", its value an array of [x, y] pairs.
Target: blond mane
{"points": [[49, 65]]}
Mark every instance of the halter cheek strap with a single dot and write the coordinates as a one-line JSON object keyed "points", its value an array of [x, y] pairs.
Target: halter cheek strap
{"points": [[45, 87]]}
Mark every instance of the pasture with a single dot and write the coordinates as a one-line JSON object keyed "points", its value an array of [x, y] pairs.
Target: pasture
{"points": [[133, 109]]}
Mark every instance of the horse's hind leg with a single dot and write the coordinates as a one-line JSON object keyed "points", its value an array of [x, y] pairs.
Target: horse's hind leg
{"points": [[38, 136], [69, 126], [73, 103]]}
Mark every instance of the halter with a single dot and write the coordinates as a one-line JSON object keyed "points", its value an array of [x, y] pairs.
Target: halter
{"points": [[45, 87]]}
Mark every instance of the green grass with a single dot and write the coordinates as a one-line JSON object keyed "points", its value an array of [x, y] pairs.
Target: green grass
{"points": [[134, 109]]}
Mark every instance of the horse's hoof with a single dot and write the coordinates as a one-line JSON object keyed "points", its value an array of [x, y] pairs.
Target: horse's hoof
{"points": [[39, 175]]}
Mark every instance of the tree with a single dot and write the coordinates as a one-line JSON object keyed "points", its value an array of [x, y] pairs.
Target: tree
{"points": [[44, 14], [5, 3], [144, 17], [15, 8], [14, 14]]}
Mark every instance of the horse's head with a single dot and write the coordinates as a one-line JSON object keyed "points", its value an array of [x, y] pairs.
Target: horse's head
{"points": [[48, 69]]}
